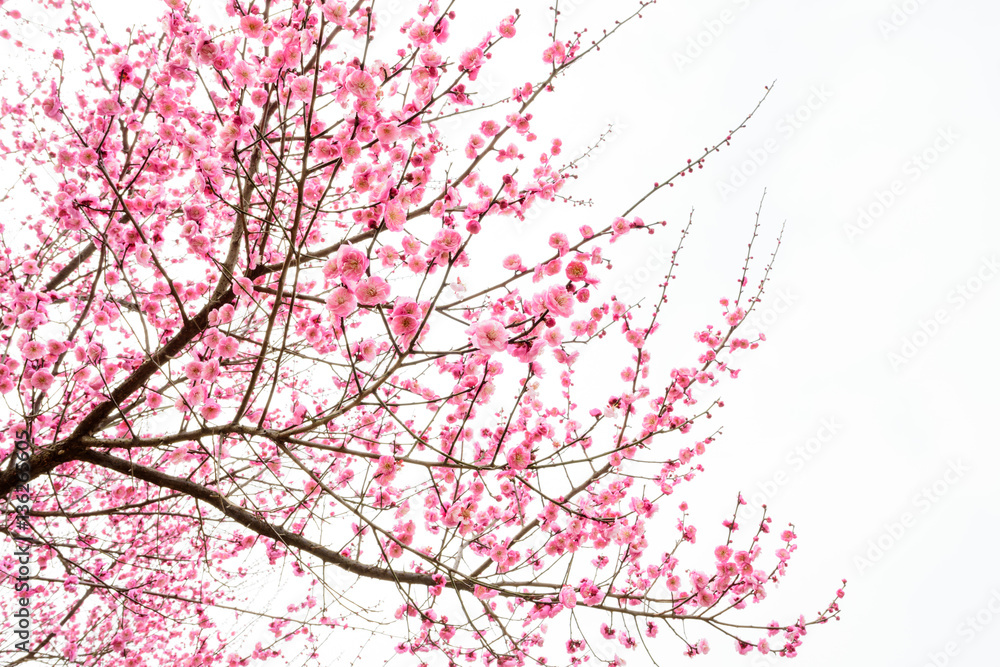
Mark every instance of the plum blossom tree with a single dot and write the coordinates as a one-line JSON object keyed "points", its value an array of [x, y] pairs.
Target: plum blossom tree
{"points": [[254, 322]]}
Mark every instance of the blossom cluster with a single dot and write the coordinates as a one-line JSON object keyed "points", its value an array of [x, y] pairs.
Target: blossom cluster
{"points": [[264, 329]]}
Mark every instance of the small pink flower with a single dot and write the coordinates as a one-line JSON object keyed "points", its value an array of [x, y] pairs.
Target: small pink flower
{"points": [[351, 263], [507, 28], [210, 410], [350, 151], [228, 347], [366, 349], [242, 74], [404, 326], [193, 370], [519, 458], [372, 291], [258, 96], [252, 26], [567, 596], [52, 108], [484, 593], [405, 307], [395, 216], [31, 319], [576, 270], [513, 262], [634, 337], [108, 107], [488, 336], [361, 84], [490, 128], [385, 471], [41, 380], [211, 371], [559, 242], [416, 264], [33, 349], [559, 301], [301, 88], [447, 240], [422, 33], [335, 12], [341, 302], [87, 157], [470, 59], [387, 133], [498, 553]]}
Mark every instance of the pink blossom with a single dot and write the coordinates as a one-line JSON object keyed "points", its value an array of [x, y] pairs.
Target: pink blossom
{"points": [[350, 151], [341, 302], [490, 128], [404, 307], [512, 262], [447, 240], [252, 26], [351, 263], [470, 59], [108, 107], [228, 347], [193, 370], [430, 58], [301, 88], [366, 349], [210, 410], [372, 291], [567, 596], [559, 241], [335, 12], [559, 301], [41, 380], [385, 471], [488, 336], [211, 370], [387, 133], [395, 216], [404, 325], [576, 270], [507, 28], [552, 337], [519, 457], [555, 53], [258, 96], [33, 349], [242, 73], [360, 84], [416, 264], [484, 593], [734, 317], [87, 157], [31, 319]]}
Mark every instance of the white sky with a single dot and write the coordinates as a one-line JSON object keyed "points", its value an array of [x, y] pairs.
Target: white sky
{"points": [[848, 297]]}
